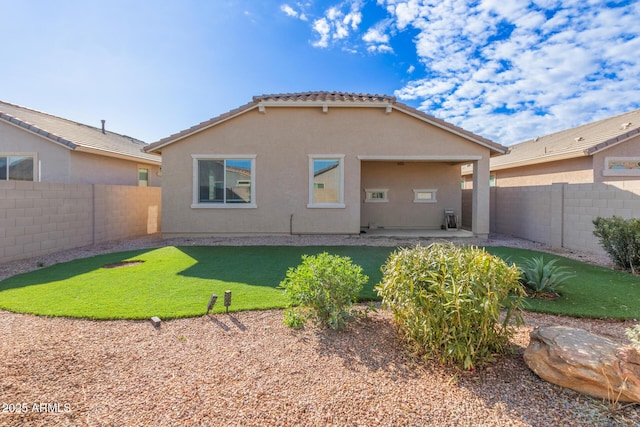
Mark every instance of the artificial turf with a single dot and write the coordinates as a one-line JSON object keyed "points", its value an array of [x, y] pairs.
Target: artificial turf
{"points": [[173, 282], [170, 282]]}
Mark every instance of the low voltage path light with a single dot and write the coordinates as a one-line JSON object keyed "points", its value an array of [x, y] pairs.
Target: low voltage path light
{"points": [[212, 302], [227, 300]]}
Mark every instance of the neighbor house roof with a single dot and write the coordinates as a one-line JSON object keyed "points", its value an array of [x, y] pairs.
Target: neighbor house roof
{"points": [[76, 136], [326, 100], [584, 140]]}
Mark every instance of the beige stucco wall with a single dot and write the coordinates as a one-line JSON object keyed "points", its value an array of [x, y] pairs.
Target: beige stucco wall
{"points": [[577, 170], [86, 168], [282, 139], [400, 178], [54, 159], [38, 218], [630, 148], [56, 163]]}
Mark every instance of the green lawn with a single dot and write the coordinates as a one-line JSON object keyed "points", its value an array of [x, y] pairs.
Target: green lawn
{"points": [[595, 291], [177, 282], [172, 282]]}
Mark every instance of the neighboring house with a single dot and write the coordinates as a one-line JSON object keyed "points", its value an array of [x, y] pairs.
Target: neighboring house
{"points": [[604, 151], [319, 163], [36, 146], [551, 188]]}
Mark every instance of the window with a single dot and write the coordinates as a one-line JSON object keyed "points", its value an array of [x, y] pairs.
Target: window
{"points": [[17, 168], [424, 196], [143, 177], [621, 166], [326, 181], [377, 195], [492, 180], [221, 182]]}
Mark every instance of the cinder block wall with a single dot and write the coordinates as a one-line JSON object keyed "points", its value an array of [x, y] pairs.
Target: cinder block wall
{"points": [[561, 215], [37, 218]]}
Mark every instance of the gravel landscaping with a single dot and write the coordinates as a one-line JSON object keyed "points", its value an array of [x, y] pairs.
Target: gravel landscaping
{"points": [[249, 369]]}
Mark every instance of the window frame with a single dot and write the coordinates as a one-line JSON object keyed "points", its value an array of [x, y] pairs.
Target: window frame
{"points": [[35, 170], [333, 205], [611, 171], [433, 191], [369, 191], [148, 169], [197, 204]]}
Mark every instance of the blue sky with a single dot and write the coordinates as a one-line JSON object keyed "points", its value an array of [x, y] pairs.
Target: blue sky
{"points": [[507, 70]]}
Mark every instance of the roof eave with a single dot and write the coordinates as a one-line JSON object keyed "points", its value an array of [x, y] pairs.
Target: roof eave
{"points": [[540, 160], [37, 131], [157, 147], [122, 156], [613, 141], [493, 146]]}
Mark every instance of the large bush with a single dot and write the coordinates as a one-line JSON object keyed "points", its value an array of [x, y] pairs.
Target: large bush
{"points": [[324, 288], [621, 239], [447, 301]]}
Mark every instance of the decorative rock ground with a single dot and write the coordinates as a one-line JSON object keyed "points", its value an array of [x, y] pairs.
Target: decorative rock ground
{"points": [[585, 362]]}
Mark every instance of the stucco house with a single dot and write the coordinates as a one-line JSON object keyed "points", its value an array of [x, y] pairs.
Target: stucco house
{"points": [[603, 151], [36, 146], [319, 163]]}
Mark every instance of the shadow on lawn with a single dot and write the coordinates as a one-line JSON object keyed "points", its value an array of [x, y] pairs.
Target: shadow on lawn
{"points": [[268, 265], [67, 270]]}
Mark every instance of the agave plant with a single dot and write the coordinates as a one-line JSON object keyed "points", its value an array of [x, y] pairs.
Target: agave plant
{"points": [[541, 277]]}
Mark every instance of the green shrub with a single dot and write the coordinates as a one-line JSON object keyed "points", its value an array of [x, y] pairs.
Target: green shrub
{"points": [[539, 277], [620, 238], [323, 288], [447, 301]]}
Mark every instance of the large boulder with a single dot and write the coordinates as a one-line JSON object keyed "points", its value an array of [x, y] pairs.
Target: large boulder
{"points": [[585, 362]]}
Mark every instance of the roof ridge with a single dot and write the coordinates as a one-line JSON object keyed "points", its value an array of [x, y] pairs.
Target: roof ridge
{"points": [[324, 95]]}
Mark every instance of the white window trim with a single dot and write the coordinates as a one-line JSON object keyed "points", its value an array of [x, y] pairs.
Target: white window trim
{"points": [[340, 204], [148, 168], [417, 191], [198, 205], [620, 172], [368, 191], [36, 162]]}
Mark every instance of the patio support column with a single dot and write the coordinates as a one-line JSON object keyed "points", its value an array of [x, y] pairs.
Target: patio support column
{"points": [[481, 199]]}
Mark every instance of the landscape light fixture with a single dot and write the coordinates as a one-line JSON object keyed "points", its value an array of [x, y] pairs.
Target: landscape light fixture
{"points": [[212, 302], [227, 300]]}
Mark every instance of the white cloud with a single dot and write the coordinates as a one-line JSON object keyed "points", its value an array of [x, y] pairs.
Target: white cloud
{"points": [[322, 27], [377, 39], [373, 35], [290, 11], [511, 70], [338, 22], [503, 69]]}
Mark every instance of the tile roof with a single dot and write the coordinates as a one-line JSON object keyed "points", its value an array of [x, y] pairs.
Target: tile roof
{"points": [[331, 99], [325, 97], [76, 136], [580, 141]]}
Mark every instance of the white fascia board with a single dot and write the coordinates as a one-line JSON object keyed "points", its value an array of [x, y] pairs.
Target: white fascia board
{"points": [[122, 156], [438, 158], [325, 105]]}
